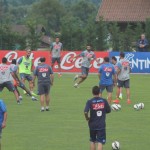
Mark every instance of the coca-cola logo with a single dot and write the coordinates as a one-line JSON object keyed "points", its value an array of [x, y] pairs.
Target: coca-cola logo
{"points": [[67, 64]]}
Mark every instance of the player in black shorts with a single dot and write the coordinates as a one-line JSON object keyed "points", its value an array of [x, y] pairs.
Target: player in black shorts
{"points": [[98, 108]]}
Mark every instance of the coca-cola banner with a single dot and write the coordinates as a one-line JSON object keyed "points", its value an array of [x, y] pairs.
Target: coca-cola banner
{"points": [[66, 64]]}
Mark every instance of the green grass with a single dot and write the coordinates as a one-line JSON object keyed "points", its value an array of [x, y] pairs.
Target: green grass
{"points": [[65, 128]]}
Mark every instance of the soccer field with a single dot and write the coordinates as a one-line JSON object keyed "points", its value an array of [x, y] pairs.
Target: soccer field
{"points": [[64, 126]]}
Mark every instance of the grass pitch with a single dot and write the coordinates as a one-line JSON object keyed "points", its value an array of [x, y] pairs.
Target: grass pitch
{"points": [[64, 126]]}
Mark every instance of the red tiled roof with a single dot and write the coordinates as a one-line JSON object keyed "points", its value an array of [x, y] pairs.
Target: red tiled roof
{"points": [[124, 10]]}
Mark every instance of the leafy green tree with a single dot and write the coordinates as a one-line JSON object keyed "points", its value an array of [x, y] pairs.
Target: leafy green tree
{"points": [[49, 12]]}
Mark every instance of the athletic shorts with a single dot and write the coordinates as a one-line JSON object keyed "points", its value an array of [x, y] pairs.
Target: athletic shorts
{"points": [[56, 59], [125, 83], [108, 88], [98, 136], [26, 76], [84, 70], [43, 88], [9, 85]]}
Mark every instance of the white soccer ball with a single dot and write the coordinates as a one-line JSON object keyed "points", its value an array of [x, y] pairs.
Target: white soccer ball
{"points": [[115, 145], [115, 107], [141, 105], [136, 106]]}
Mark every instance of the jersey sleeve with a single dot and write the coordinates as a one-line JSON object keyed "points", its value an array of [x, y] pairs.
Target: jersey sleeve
{"points": [[119, 65], [94, 56], [51, 71], [51, 46], [100, 69], [87, 107], [35, 71], [20, 60], [82, 54], [3, 107], [15, 69]]}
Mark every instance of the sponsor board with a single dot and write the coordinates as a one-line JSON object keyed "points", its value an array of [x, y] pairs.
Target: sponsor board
{"points": [[139, 61], [66, 64]]}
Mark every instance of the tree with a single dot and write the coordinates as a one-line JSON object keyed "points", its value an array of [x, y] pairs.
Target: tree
{"points": [[49, 12]]}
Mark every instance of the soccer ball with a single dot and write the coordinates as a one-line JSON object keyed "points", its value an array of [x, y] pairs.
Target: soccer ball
{"points": [[115, 107], [141, 105], [115, 145], [136, 106]]}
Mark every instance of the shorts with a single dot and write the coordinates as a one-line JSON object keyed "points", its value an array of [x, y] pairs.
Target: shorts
{"points": [[43, 88], [109, 88], [85, 70], [56, 59], [98, 136], [125, 83], [26, 76], [9, 85]]}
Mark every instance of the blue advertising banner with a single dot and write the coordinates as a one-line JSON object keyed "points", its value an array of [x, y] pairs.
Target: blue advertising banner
{"points": [[139, 61]]}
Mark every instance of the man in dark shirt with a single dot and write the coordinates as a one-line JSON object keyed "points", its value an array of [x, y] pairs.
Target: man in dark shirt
{"points": [[98, 108], [142, 44], [45, 77]]}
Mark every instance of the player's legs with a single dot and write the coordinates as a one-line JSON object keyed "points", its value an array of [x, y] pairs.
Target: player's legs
{"points": [[82, 77], [92, 140], [101, 89], [92, 146], [42, 95], [47, 96], [22, 77], [53, 62], [11, 88], [100, 146], [109, 91], [120, 94], [59, 66], [101, 138], [127, 86]]}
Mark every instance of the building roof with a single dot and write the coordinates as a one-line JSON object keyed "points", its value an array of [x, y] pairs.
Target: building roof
{"points": [[124, 10]]}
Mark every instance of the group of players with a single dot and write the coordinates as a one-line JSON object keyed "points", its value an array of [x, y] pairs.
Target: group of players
{"points": [[110, 73]]}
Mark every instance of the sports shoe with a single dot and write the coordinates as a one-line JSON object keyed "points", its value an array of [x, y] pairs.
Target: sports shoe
{"points": [[42, 110], [128, 101], [24, 92], [20, 98], [76, 77], [18, 102], [47, 109], [120, 96], [76, 85], [33, 94], [59, 74], [116, 101], [33, 98]]}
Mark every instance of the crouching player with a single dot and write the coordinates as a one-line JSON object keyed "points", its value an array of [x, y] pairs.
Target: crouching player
{"points": [[45, 77], [98, 108], [14, 69]]}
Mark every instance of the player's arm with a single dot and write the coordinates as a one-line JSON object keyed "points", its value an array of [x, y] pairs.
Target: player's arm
{"points": [[107, 107], [4, 120], [34, 75], [52, 78], [86, 116], [99, 72], [86, 110]]}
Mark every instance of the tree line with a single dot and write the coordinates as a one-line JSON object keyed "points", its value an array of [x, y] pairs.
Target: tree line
{"points": [[73, 20]]}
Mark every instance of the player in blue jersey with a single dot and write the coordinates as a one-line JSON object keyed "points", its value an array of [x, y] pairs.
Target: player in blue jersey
{"points": [[114, 62], [87, 56], [107, 77], [45, 77], [3, 118], [98, 108]]}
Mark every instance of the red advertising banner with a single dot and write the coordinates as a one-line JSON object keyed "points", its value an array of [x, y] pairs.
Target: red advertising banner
{"points": [[66, 64]]}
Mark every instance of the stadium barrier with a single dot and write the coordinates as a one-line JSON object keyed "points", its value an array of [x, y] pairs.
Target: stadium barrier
{"points": [[139, 61]]}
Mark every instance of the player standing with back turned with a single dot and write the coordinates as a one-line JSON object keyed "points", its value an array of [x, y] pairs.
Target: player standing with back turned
{"points": [[98, 108]]}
